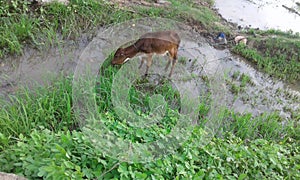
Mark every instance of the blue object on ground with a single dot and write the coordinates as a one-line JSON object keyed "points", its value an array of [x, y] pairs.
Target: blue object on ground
{"points": [[221, 38]]}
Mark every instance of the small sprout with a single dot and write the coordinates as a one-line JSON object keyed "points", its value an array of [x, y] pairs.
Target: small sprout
{"points": [[245, 80], [204, 78], [235, 89], [182, 60], [236, 74]]}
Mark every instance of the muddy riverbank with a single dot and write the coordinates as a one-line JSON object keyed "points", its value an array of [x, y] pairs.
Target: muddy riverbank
{"points": [[35, 67], [260, 94]]}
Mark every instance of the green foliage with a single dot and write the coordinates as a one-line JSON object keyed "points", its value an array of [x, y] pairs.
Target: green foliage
{"points": [[245, 79], [23, 22], [276, 53], [139, 99], [70, 155], [45, 107], [275, 57], [276, 32], [240, 85], [199, 14], [53, 156], [39, 141], [266, 126]]}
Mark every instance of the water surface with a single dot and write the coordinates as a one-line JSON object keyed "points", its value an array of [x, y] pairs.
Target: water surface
{"points": [[263, 14]]}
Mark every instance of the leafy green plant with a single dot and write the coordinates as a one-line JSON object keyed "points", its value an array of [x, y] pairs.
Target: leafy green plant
{"points": [[70, 155]]}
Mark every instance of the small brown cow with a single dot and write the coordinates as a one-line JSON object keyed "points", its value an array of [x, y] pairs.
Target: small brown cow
{"points": [[160, 42]]}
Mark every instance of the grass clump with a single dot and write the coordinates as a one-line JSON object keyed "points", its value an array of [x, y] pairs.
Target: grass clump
{"points": [[266, 126], [274, 52], [24, 22], [241, 82], [49, 108], [199, 14], [275, 57]]}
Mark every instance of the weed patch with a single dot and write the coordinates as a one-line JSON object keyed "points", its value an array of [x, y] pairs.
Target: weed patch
{"points": [[275, 58], [24, 22], [70, 155]]}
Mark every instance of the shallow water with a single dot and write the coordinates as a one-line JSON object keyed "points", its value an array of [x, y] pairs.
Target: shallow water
{"points": [[262, 95], [35, 67], [263, 14]]}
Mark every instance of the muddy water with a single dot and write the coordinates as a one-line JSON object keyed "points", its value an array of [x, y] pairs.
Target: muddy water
{"points": [[197, 56], [263, 14], [35, 67], [261, 95]]}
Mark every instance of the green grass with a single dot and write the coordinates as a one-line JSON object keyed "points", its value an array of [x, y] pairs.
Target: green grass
{"points": [[40, 138], [241, 81], [274, 52], [70, 155], [275, 57], [23, 23], [200, 15], [266, 126], [287, 34], [46, 107]]}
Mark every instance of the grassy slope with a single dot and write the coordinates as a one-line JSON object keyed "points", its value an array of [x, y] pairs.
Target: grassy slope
{"points": [[24, 23], [274, 52], [40, 137]]}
